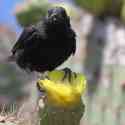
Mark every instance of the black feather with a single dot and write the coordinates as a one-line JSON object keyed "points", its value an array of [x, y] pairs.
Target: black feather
{"points": [[47, 44]]}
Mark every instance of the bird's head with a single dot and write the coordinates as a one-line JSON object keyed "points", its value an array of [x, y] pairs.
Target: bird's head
{"points": [[57, 16]]}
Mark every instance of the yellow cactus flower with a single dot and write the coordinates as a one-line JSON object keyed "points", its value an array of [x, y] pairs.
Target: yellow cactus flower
{"points": [[63, 93]]}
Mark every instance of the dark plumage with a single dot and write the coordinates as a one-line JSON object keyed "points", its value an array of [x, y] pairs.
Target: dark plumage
{"points": [[47, 44]]}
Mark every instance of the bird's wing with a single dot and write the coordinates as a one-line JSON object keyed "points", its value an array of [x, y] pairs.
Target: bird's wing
{"points": [[25, 35]]}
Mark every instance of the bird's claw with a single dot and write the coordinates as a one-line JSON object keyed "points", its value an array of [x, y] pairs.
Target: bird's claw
{"points": [[68, 73]]}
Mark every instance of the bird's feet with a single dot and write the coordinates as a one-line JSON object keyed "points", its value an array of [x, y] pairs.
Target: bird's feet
{"points": [[68, 73]]}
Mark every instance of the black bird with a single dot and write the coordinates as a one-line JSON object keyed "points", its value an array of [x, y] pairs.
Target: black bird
{"points": [[47, 44]]}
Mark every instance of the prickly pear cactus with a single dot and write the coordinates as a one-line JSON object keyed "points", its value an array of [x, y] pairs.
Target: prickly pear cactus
{"points": [[95, 6], [59, 116], [123, 11], [31, 12]]}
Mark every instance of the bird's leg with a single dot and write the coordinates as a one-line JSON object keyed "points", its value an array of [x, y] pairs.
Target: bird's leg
{"points": [[67, 73]]}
